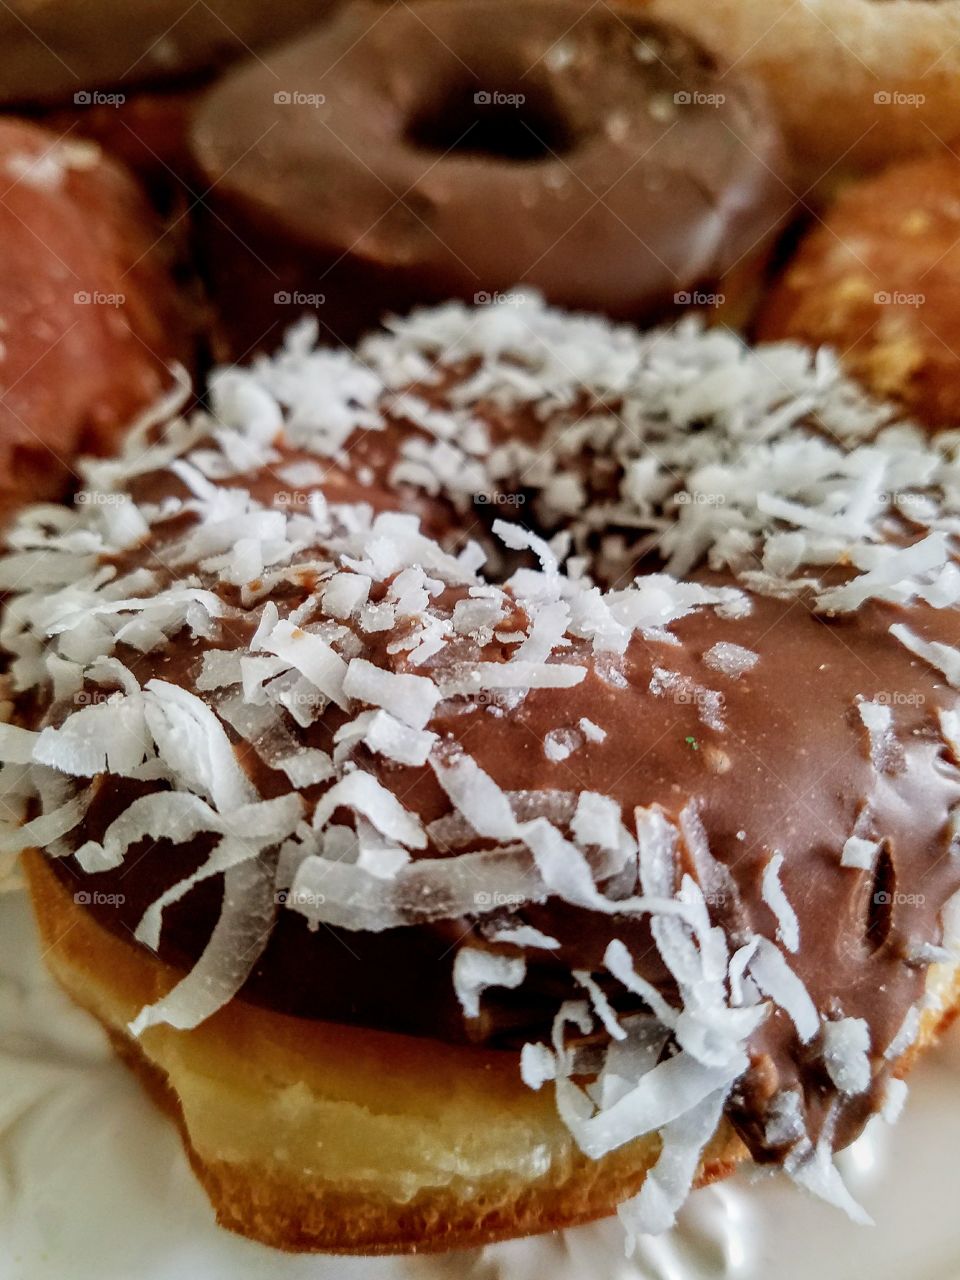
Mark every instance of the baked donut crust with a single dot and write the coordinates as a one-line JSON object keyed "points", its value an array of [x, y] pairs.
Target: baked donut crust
{"points": [[244, 1060], [264, 1055], [855, 83], [878, 280]]}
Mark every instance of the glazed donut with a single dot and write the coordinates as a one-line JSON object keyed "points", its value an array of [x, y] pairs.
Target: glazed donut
{"points": [[405, 156], [879, 279], [81, 50], [440, 910], [855, 83], [91, 321]]}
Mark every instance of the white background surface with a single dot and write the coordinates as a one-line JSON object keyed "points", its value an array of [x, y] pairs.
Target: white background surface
{"points": [[94, 1184]]}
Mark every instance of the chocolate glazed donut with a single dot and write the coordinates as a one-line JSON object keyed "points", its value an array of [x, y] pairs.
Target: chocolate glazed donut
{"points": [[401, 157]]}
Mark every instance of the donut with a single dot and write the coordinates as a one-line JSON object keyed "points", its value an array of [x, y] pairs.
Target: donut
{"points": [[86, 51], [855, 83], [442, 904], [453, 149], [878, 280], [147, 132], [91, 319]]}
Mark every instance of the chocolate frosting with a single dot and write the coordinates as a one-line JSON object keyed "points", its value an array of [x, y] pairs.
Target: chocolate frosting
{"points": [[832, 728], [456, 148], [791, 772]]}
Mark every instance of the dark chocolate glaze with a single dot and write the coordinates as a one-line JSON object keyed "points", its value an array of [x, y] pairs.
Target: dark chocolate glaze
{"points": [[405, 156]]}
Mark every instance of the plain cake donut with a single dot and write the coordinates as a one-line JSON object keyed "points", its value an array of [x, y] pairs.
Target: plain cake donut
{"points": [[878, 280], [855, 83]]}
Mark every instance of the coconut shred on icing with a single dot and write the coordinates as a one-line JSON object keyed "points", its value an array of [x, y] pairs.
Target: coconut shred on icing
{"points": [[352, 569]]}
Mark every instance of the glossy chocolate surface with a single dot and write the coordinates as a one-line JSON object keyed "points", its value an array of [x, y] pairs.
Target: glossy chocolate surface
{"points": [[462, 147]]}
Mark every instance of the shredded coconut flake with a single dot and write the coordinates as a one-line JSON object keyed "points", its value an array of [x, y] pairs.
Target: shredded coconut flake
{"points": [[475, 971], [788, 927]]}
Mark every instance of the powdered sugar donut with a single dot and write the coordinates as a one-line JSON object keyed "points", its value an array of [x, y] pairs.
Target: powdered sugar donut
{"points": [[443, 906], [91, 321], [856, 83]]}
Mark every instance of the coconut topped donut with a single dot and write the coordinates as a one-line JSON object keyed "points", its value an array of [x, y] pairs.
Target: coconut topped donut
{"points": [[688, 839], [410, 155]]}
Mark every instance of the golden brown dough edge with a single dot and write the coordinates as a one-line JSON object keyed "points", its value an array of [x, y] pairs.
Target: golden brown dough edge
{"points": [[291, 1208], [298, 1210]]}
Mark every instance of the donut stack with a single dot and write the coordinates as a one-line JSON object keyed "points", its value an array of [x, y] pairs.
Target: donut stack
{"points": [[635, 173]]}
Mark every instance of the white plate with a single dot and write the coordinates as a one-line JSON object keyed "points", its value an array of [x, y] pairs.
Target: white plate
{"points": [[94, 1184]]}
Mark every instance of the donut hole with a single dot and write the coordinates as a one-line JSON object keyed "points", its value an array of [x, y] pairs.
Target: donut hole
{"points": [[516, 124]]}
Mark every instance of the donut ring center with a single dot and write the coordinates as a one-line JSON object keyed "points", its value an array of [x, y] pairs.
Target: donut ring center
{"points": [[510, 122]]}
